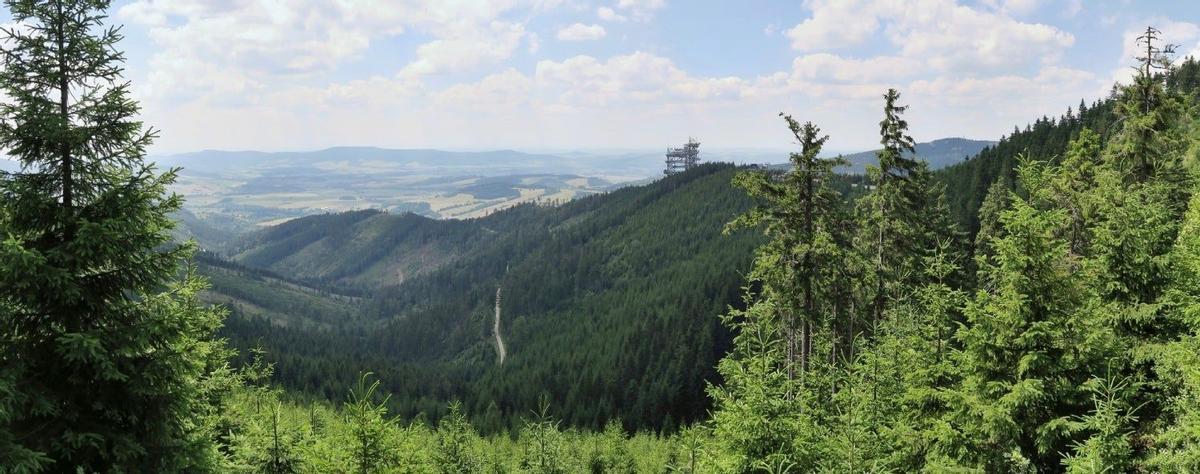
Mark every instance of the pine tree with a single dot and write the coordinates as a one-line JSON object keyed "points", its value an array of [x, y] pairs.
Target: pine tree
{"points": [[106, 356]]}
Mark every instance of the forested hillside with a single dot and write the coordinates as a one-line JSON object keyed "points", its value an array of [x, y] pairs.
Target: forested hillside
{"points": [[1046, 138], [365, 249], [608, 304]]}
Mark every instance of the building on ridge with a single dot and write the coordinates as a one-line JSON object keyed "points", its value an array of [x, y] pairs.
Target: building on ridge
{"points": [[683, 159]]}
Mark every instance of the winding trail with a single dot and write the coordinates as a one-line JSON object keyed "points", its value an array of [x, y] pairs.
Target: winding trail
{"points": [[496, 329]]}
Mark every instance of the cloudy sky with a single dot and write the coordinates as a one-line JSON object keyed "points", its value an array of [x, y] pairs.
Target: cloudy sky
{"points": [[607, 74]]}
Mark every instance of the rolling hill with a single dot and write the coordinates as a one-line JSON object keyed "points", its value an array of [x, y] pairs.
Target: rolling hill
{"points": [[938, 153]]}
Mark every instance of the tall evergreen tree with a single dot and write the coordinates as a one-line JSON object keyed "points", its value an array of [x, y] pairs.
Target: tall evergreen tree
{"points": [[801, 214], [106, 356], [902, 218], [1177, 440], [1141, 198], [765, 415]]}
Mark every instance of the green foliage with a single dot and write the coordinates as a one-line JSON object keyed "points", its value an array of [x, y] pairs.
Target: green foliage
{"points": [[1072, 349], [762, 417], [1046, 139], [859, 344], [372, 434], [543, 451], [1030, 341], [644, 265], [107, 361], [1111, 422], [454, 437], [317, 437]]}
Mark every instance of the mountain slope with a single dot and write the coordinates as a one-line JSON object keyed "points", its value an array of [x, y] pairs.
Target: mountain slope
{"points": [[610, 304], [362, 248]]}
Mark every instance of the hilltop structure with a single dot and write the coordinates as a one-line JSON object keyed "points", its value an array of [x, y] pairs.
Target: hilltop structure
{"points": [[683, 159]]}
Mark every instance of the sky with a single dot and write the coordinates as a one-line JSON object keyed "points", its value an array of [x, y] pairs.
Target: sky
{"points": [[616, 74]]}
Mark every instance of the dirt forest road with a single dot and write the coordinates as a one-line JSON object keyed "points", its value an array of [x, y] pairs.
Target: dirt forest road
{"points": [[496, 329]]}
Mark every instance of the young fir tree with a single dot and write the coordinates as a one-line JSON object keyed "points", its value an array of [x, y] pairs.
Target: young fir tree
{"points": [[373, 434], [1033, 337], [107, 360], [455, 442]]}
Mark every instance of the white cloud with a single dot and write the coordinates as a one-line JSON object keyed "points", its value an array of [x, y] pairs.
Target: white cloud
{"points": [[636, 77], [267, 74], [1073, 8], [535, 43], [581, 32], [485, 44], [1057, 82], [828, 67], [505, 89], [948, 36], [210, 48], [641, 10], [834, 24], [1014, 7], [608, 14]]}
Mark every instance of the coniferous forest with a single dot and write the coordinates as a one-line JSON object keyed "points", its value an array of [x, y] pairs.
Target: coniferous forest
{"points": [[1035, 308]]}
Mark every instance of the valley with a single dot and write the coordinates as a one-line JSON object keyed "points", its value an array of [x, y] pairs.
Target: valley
{"points": [[570, 274], [417, 297]]}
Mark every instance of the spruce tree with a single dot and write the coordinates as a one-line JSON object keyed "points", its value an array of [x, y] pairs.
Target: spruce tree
{"points": [[768, 409], [994, 202], [904, 215], [801, 215], [1033, 338], [106, 356], [1177, 438], [1142, 188]]}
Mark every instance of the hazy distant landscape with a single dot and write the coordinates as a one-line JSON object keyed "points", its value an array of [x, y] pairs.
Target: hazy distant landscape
{"points": [[239, 192]]}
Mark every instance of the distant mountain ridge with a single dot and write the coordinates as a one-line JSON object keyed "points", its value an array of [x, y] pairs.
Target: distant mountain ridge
{"points": [[938, 153]]}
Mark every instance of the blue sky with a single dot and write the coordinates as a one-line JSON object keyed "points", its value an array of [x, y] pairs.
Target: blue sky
{"points": [[616, 74]]}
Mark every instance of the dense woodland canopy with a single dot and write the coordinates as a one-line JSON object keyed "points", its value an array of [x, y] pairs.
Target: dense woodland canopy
{"points": [[610, 304], [1031, 310]]}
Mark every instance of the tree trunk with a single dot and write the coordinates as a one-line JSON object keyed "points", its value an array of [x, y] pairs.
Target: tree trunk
{"points": [[64, 115]]}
